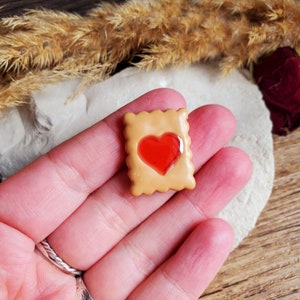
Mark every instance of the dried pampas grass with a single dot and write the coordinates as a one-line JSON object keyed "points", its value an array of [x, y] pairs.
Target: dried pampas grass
{"points": [[47, 46]]}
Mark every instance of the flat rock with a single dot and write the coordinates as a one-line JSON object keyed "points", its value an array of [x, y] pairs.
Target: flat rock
{"points": [[29, 132]]}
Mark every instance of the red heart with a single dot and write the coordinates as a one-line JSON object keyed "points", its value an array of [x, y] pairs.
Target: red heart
{"points": [[160, 153]]}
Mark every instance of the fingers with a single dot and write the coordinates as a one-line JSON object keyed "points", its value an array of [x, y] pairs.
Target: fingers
{"points": [[40, 197], [127, 265], [187, 273], [110, 213]]}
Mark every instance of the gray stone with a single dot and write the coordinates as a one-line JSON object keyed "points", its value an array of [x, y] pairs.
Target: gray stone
{"points": [[51, 119]]}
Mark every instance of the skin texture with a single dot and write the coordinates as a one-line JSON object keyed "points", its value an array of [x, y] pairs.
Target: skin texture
{"points": [[165, 246]]}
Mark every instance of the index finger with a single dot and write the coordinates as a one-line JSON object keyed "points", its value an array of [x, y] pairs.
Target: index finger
{"points": [[41, 196]]}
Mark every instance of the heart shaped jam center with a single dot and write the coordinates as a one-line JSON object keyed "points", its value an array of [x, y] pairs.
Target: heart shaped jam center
{"points": [[160, 153]]}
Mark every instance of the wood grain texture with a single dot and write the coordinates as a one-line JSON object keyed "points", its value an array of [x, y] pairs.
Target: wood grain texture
{"points": [[266, 265]]}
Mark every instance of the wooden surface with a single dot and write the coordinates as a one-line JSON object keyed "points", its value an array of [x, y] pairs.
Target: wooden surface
{"points": [[266, 265]]}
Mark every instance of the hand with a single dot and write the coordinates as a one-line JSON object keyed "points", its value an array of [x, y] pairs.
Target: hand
{"points": [[163, 246]]}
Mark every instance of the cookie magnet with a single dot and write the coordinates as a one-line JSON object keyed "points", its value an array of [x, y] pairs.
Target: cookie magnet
{"points": [[158, 151]]}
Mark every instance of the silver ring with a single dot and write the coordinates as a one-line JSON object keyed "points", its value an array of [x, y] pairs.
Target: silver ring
{"points": [[48, 252], [82, 293]]}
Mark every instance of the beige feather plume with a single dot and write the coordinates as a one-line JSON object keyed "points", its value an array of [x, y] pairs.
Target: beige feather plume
{"points": [[45, 46]]}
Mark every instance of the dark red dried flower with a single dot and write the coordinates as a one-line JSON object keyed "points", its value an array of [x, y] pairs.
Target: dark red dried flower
{"points": [[278, 77]]}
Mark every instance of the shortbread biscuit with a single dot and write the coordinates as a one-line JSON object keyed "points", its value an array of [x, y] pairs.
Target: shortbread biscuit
{"points": [[158, 151]]}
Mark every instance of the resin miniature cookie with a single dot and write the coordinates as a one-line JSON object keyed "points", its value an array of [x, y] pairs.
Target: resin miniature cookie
{"points": [[158, 151]]}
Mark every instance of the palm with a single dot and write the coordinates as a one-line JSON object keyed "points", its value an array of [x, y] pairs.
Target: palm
{"points": [[125, 245], [23, 271]]}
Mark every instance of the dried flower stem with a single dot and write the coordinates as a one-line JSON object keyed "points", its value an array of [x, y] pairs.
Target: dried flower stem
{"points": [[54, 45]]}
